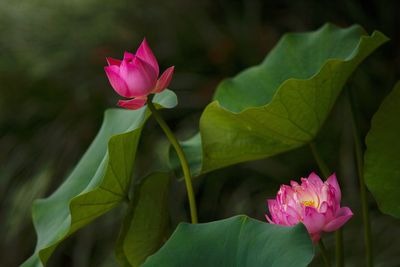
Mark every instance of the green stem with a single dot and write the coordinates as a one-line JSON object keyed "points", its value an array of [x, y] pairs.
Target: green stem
{"points": [[181, 155], [339, 251], [363, 190], [324, 253]]}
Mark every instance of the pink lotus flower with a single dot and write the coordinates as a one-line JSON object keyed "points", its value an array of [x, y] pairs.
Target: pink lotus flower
{"points": [[135, 76], [314, 203]]}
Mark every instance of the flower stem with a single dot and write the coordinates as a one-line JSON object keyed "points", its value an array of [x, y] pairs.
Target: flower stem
{"points": [[324, 253], [339, 253], [363, 190], [182, 158]]}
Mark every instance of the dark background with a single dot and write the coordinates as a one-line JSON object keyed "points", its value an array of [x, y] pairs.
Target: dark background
{"points": [[53, 92]]}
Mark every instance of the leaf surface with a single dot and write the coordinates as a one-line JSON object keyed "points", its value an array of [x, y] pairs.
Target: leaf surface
{"points": [[237, 241], [145, 226], [282, 103], [382, 157], [98, 183]]}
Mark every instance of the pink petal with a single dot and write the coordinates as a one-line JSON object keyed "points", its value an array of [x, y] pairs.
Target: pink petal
{"points": [[332, 180], [116, 81], [315, 180], [268, 219], [283, 193], [323, 207], [128, 56], [145, 53], [274, 211], [135, 103], [342, 217], [292, 215], [272, 205], [113, 61], [329, 213], [309, 188], [164, 80], [292, 201], [139, 76], [325, 193], [313, 220]]}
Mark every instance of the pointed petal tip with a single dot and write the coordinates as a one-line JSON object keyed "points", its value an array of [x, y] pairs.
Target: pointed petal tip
{"points": [[112, 61], [346, 211], [145, 53], [332, 177], [333, 182], [314, 175], [343, 216], [164, 80], [128, 56]]}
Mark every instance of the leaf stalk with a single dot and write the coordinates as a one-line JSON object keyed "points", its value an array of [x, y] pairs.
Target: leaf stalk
{"points": [[182, 158], [363, 190], [324, 253]]}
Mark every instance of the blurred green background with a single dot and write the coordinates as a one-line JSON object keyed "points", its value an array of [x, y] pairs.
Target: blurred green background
{"points": [[53, 92]]}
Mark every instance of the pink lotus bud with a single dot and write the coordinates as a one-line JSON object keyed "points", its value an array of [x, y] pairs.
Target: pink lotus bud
{"points": [[314, 203], [136, 76]]}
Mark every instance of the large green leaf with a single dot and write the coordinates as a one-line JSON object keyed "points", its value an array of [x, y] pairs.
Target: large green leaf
{"points": [[382, 157], [237, 241], [282, 103], [98, 183], [145, 227]]}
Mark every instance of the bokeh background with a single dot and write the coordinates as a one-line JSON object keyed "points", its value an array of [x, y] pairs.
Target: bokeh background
{"points": [[53, 92]]}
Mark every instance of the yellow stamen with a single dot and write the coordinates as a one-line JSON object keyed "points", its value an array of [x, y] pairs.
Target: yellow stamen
{"points": [[308, 203]]}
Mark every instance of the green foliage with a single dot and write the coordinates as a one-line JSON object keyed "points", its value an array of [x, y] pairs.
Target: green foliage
{"points": [[282, 103], [98, 183], [265, 110], [237, 241], [145, 227], [382, 157]]}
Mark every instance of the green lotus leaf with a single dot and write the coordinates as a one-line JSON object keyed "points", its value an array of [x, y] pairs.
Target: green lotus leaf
{"points": [[145, 227], [98, 183], [282, 103], [237, 241], [382, 157]]}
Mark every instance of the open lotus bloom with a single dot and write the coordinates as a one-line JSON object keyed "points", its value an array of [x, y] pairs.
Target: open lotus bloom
{"points": [[313, 202], [136, 76]]}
